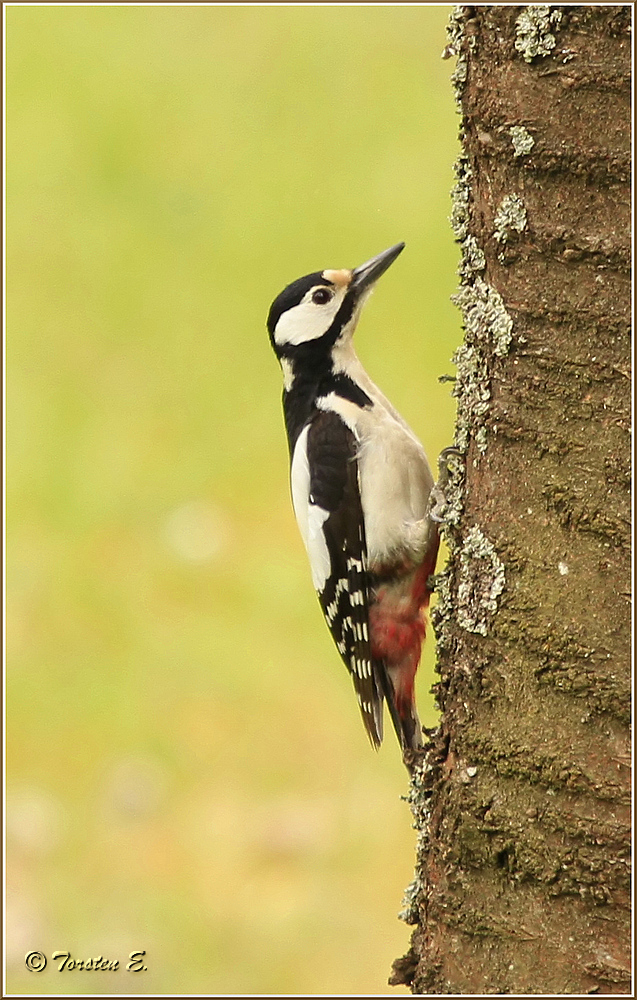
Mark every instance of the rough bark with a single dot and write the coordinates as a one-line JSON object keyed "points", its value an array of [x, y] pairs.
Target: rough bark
{"points": [[522, 797]]}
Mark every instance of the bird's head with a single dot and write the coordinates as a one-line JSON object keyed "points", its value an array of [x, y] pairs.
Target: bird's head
{"points": [[315, 312]]}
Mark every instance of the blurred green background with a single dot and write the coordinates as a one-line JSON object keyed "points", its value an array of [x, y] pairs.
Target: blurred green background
{"points": [[187, 770]]}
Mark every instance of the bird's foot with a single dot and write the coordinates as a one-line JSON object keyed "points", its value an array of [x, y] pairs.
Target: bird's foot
{"points": [[438, 501]]}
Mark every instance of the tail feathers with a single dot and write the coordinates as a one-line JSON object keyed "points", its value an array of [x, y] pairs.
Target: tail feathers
{"points": [[403, 713], [371, 693]]}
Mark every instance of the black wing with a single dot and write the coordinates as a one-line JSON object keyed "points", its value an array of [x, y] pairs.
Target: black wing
{"points": [[334, 487]]}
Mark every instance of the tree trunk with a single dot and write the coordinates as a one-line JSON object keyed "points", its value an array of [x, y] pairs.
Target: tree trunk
{"points": [[522, 797]]}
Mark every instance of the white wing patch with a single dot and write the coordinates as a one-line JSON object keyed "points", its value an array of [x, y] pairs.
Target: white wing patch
{"points": [[310, 518]]}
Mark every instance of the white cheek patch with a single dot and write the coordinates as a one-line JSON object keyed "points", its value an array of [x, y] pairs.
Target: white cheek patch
{"points": [[307, 321], [310, 518]]}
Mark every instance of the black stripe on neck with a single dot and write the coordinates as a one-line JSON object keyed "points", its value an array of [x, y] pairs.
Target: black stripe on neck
{"points": [[299, 403], [344, 386]]}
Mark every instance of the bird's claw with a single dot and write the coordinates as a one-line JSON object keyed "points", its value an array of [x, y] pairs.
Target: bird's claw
{"points": [[437, 497]]}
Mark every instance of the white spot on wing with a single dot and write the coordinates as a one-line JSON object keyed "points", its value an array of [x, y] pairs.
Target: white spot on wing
{"points": [[309, 516], [288, 373], [362, 668]]}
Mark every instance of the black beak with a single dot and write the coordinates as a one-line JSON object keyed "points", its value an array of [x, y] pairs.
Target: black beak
{"points": [[369, 272]]}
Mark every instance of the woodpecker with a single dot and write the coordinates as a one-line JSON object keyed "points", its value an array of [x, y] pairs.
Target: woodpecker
{"points": [[361, 486]]}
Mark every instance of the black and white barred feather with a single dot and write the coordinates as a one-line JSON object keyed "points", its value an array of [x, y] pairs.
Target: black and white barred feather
{"points": [[344, 596]]}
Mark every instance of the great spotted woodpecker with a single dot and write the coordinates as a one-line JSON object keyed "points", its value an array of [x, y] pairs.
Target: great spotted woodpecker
{"points": [[361, 488]]}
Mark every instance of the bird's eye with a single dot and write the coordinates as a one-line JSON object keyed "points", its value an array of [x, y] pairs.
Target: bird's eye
{"points": [[321, 296]]}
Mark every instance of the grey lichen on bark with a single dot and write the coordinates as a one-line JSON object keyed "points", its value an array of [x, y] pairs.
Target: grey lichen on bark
{"points": [[521, 799], [534, 30]]}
